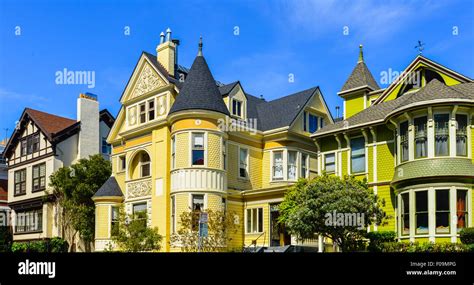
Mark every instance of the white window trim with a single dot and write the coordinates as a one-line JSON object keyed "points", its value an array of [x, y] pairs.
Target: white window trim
{"points": [[272, 160], [119, 163], [191, 148], [335, 162], [251, 221], [190, 200]]}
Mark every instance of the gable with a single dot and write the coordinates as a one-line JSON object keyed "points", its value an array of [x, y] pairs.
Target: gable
{"points": [[144, 80], [315, 106], [237, 93], [418, 73]]}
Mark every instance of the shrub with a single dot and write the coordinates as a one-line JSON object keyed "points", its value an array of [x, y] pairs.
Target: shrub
{"points": [[5, 239], [376, 239], [42, 246], [467, 235], [424, 247]]}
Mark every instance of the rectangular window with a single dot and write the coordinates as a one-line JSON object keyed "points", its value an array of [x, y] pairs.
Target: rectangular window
{"points": [[461, 209], [140, 212], [173, 152], [142, 110], [404, 141], [442, 212], [421, 212], [198, 202], [313, 123], [304, 165], [114, 221], [35, 142], [236, 108], [405, 214], [441, 134], [39, 177], [29, 221], [255, 220], [421, 137], [122, 163], [277, 165], [151, 110], [321, 123], [20, 182], [105, 146], [173, 214], [461, 135], [198, 148], [23, 147], [358, 155], [243, 157], [329, 163], [292, 168], [144, 165]]}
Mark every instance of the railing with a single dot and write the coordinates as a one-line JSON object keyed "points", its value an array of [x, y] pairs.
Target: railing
{"points": [[254, 242], [198, 179]]}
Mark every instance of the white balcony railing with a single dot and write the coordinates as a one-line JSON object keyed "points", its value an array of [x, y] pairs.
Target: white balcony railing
{"points": [[198, 179]]}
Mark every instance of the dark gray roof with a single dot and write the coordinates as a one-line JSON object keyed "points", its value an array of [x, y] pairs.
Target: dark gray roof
{"points": [[282, 112], [432, 91], [199, 91], [110, 188], [226, 88], [359, 77]]}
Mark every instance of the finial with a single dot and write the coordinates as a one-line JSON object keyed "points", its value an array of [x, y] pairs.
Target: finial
{"points": [[361, 54], [162, 37], [200, 46], [420, 47], [168, 34]]}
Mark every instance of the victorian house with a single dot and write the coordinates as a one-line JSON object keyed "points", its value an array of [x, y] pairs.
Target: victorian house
{"points": [[41, 144]]}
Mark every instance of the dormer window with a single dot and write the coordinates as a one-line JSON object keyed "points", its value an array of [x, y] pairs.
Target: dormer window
{"points": [[236, 108], [311, 122]]}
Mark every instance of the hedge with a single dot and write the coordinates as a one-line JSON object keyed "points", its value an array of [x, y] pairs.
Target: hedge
{"points": [[425, 247], [376, 239], [55, 244], [467, 236]]}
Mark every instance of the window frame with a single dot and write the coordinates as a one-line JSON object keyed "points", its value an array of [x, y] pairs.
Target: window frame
{"points": [[448, 211], [333, 154], [249, 219], [416, 213], [295, 165], [26, 215], [144, 163], [465, 135], [355, 156], [404, 139], [278, 178], [203, 149], [237, 105], [448, 134], [21, 182], [304, 165], [415, 131], [33, 178], [246, 168]]}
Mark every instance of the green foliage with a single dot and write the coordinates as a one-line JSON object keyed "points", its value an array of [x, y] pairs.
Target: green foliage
{"points": [[424, 247], [54, 245], [220, 226], [73, 188], [131, 234], [307, 205], [6, 239], [467, 235], [376, 239]]}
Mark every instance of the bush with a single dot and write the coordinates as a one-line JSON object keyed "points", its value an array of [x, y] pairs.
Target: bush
{"points": [[5, 239], [467, 235], [376, 239], [42, 246], [424, 247]]}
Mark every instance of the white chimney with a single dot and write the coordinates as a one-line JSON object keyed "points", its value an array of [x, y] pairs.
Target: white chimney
{"points": [[88, 115]]}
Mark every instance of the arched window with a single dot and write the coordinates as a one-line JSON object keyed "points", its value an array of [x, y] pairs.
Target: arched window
{"points": [[144, 164]]}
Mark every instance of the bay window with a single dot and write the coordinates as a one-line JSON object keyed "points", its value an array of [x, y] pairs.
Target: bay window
{"points": [[461, 209], [421, 212], [442, 211], [277, 165], [358, 155], [441, 134], [292, 169], [461, 135], [421, 137], [405, 213], [29, 221]]}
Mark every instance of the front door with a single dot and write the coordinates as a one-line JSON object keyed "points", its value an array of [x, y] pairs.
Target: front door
{"points": [[278, 234]]}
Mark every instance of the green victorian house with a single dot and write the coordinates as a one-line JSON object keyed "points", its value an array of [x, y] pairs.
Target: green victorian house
{"points": [[414, 142]]}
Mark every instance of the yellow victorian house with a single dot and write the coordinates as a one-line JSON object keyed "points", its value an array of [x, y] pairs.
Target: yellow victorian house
{"points": [[184, 141]]}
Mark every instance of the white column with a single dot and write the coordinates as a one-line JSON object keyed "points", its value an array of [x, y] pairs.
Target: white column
{"points": [[412, 216], [320, 243], [431, 214], [452, 213], [430, 134]]}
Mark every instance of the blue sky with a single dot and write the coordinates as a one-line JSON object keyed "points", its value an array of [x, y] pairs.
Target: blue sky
{"points": [[276, 38]]}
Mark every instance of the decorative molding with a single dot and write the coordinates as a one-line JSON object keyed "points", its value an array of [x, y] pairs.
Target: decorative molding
{"points": [[137, 189], [146, 82]]}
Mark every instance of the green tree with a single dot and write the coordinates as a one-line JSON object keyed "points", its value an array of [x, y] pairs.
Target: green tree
{"points": [[309, 208], [73, 188], [131, 233], [220, 226]]}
